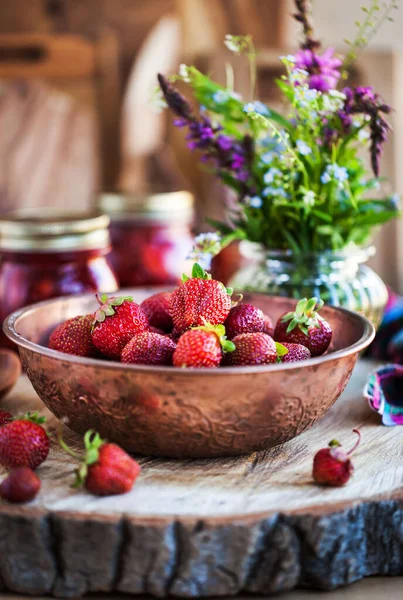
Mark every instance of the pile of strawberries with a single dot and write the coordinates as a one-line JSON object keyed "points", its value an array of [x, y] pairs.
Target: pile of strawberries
{"points": [[196, 325], [105, 469]]}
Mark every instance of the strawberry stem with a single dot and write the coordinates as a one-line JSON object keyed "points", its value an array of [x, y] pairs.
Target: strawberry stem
{"points": [[357, 442], [63, 444]]}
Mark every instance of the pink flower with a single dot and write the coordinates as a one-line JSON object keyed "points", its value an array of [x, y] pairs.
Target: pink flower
{"points": [[323, 70]]}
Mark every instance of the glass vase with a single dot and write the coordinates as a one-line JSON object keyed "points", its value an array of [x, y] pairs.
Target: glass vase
{"points": [[340, 278]]}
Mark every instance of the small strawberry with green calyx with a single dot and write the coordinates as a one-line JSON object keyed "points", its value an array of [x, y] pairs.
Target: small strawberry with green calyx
{"points": [[202, 347], [24, 442], [332, 466], [198, 300], [116, 321], [105, 469], [305, 326]]}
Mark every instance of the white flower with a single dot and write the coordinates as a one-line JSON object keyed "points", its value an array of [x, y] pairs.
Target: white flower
{"points": [[249, 108], [255, 202], [363, 135], [311, 95], [257, 106], [232, 44], [270, 175], [202, 258], [334, 171], [184, 72], [157, 101], [309, 198], [209, 237], [337, 94], [220, 96], [290, 58], [267, 157], [303, 148], [340, 173], [325, 177]]}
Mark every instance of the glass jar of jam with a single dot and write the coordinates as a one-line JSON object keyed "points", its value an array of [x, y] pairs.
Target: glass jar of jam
{"points": [[51, 253], [150, 236]]}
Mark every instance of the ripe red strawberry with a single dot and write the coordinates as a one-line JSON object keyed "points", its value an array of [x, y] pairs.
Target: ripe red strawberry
{"points": [[202, 347], [253, 349], [295, 353], [116, 322], [23, 442], [268, 326], [244, 318], [106, 469], [74, 337], [156, 308], [21, 485], [5, 417], [156, 330], [149, 348], [304, 326], [199, 300], [332, 466]]}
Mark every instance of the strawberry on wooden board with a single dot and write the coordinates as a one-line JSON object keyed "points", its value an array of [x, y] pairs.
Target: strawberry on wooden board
{"points": [[106, 469], [116, 321], [295, 353], [5, 417], [305, 326], [244, 318], [74, 337], [332, 466], [252, 349], [23, 442], [156, 308], [149, 348], [202, 347], [199, 300], [21, 485]]}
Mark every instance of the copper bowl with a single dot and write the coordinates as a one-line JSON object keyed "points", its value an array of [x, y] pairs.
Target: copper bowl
{"points": [[186, 412]]}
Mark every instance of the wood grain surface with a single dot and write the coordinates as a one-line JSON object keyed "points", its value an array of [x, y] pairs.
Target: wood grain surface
{"points": [[193, 528]]}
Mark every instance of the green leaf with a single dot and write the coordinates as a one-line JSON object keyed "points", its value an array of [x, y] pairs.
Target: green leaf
{"points": [[228, 346], [286, 89], [198, 272], [229, 291], [280, 349]]}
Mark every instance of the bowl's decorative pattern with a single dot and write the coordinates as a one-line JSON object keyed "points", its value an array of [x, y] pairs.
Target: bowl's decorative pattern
{"points": [[178, 412]]}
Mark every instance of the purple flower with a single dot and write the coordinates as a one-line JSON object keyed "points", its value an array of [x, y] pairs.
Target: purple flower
{"points": [[323, 70], [224, 142], [362, 100]]}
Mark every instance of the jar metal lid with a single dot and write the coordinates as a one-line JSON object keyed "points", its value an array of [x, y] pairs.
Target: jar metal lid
{"points": [[171, 206], [50, 229]]}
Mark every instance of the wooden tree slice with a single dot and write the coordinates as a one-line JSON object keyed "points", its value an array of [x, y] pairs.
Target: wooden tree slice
{"points": [[193, 528]]}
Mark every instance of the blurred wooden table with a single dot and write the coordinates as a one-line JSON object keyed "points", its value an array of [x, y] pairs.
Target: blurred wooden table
{"points": [[368, 589]]}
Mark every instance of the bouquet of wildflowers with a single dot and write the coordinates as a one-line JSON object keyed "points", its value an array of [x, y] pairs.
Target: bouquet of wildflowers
{"points": [[300, 181]]}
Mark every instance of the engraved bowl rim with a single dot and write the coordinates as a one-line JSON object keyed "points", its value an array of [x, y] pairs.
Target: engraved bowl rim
{"points": [[9, 328]]}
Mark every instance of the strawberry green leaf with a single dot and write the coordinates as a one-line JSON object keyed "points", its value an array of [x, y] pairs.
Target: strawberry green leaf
{"points": [[198, 272], [228, 346], [185, 278], [229, 291], [281, 350]]}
